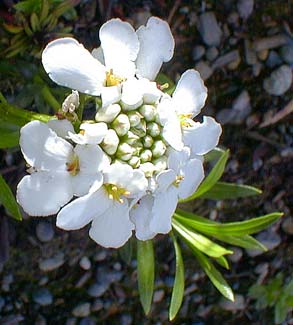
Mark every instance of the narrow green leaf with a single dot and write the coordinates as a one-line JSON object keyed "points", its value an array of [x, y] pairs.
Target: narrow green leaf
{"points": [[222, 191], [215, 174], [202, 243], [145, 273], [126, 251], [238, 228], [9, 135], [223, 262], [215, 276], [244, 241], [8, 200], [178, 287]]}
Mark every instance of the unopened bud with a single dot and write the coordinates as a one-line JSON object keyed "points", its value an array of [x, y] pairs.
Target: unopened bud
{"points": [[159, 148], [121, 124], [110, 142], [160, 163], [140, 129], [148, 111], [146, 155], [71, 102], [108, 114], [147, 141], [124, 151], [134, 162], [131, 138], [153, 129], [134, 118], [148, 168]]}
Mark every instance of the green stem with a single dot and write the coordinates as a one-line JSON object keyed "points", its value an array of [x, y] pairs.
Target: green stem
{"points": [[79, 110], [50, 98]]}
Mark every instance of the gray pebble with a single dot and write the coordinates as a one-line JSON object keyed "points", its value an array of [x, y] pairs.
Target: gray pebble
{"points": [[43, 297], [245, 8], [226, 115], [6, 282], [85, 263], [279, 81], [126, 319], [71, 321], [236, 256], [287, 225], [212, 53], [209, 29], [52, 263], [204, 69], [44, 231], [270, 42], [250, 54], [198, 52], [87, 321], [287, 53], [256, 69], [273, 59], [238, 304], [82, 310], [97, 289], [242, 107], [97, 305], [158, 296], [269, 239], [228, 58]]}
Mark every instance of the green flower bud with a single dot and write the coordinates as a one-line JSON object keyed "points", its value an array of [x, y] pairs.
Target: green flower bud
{"points": [[124, 151], [121, 124], [108, 114], [134, 162], [147, 141], [134, 118], [153, 129], [160, 163], [130, 138], [159, 148], [146, 155], [148, 168], [148, 111], [110, 142], [140, 129]]}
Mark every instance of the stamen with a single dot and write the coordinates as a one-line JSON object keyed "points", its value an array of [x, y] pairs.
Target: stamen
{"points": [[115, 193], [73, 166], [185, 120], [112, 79], [178, 180]]}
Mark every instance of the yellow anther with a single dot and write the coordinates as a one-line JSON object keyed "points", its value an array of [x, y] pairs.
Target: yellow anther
{"points": [[115, 193], [163, 86], [178, 180], [82, 132], [112, 79], [185, 120], [73, 166]]}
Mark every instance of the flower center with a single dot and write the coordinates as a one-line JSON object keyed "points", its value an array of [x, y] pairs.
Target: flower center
{"points": [[112, 79], [115, 193], [73, 166], [178, 180], [185, 120]]}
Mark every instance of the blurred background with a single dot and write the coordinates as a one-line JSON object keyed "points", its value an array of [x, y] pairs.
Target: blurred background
{"points": [[243, 50]]}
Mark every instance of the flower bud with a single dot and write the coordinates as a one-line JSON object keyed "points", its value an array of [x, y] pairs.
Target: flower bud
{"points": [[160, 163], [124, 151], [148, 111], [140, 129], [158, 148], [71, 102], [121, 124], [146, 155], [108, 114], [153, 129], [147, 141], [110, 142], [148, 168], [130, 138], [134, 162], [134, 118]]}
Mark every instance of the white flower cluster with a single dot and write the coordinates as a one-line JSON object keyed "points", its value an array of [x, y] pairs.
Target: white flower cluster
{"points": [[127, 169]]}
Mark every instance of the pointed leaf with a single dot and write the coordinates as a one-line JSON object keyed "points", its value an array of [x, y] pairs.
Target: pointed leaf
{"points": [[9, 135], [222, 191], [8, 200], [145, 273], [223, 262], [215, 174], [178, 287]]}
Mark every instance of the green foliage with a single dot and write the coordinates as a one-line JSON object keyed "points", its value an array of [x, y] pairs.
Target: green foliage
{"points": [[275, 294]]}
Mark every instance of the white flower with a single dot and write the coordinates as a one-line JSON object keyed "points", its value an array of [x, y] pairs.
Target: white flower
{"points": [[91, 133], [176, 115], [153, 212], [106, 206], [59, 171], [123, 54]]}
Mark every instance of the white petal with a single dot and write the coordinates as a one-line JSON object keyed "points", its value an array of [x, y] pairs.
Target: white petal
{"points": [[110, 95], [113, 228], [120, 47], [83, 210], [44, 193], [193, 174], [177, 159], [69, 64], [190, 93], [156, 46], [165, 204], [140, 215], [165, 179], [132, 94], [94, 133], [42, 148], [61, 127], [151, 93], [83, 182], [98, 54], [202, 137]]}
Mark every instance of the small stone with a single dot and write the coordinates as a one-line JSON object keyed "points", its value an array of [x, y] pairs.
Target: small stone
{"points": [[209, 29], [52, 263], [256, 69], [279, 81], [263, 54], [100, 256], [238, 304], [82, 310], [269, 239], [226, 115], [97, 289], [158, 296], [250, 54], [44, 231], [242, 107], [287, 53], [85, 263], [71, 321], [273, 59], [43, 297], [204, 70], [245, 8], [198, 52], [87, 321], [126, 319], [6, 282], [212, 53], [287, 225], [97, 305], [222, 61], [233, 18], [270, 42], [236, 256]]}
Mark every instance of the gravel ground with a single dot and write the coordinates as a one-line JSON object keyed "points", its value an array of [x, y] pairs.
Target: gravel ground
{"points": [[244, 52]]}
